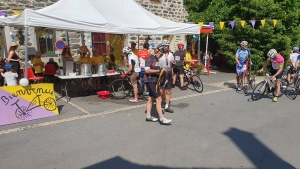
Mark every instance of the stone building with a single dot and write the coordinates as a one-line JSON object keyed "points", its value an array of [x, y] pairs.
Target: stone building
{"points": [[44, 39]]}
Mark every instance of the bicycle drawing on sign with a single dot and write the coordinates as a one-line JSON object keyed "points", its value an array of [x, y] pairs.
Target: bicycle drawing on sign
{"points": [[22, 112]]}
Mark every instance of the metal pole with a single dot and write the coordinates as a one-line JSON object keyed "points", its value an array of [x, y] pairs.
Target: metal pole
{"points": [[26, 44], [82, 39], [206, 50], [138, 42], [67, 38], [199, 61]]}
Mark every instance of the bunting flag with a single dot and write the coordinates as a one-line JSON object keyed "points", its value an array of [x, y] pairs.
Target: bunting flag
{"points": [[221, 25], [275, 22], [243, 23], [211, 24], [263, 22], [16, 12], [232, 24], [253, 23], [200, 24]]}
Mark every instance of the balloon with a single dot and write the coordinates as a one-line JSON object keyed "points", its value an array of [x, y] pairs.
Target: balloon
{"points": [[88, 35], [91, 45], [24, 82]]}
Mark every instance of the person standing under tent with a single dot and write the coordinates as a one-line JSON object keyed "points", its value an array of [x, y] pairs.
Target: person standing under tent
{"points": [[166, 62], [14, 59], [38, 64], [152, 74], [84, 59], [241, 57], [133, 48], [96, 59], [179, 56], [134, 71], [143, 55], [66, 53]]}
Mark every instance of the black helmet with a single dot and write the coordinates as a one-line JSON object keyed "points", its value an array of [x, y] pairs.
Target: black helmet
{"points": [[161, 48]]}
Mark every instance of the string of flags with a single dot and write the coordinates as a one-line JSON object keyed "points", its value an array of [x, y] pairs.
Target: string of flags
{"points": [[232, 23]]}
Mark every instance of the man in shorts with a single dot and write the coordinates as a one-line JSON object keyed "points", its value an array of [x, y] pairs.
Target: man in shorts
{"points": [[166, 62], [179, 57], [277, 67], [152, 70], [143, 55], [293, 60], [133, 69], [241, 57]]}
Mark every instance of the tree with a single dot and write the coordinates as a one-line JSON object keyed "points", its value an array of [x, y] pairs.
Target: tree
{"points": [[282, 37]]}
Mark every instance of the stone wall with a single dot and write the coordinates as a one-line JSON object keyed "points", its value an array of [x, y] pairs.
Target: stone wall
{"points": [[169, 9]]}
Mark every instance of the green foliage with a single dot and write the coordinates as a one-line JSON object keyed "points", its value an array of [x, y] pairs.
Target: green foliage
{"points": [[282, 37]]}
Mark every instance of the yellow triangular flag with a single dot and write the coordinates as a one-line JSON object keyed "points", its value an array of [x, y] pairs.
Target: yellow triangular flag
{"points": [[243, 23], [275, 22], [221, 25], [263, 22], [200, 24], [16, 12]]}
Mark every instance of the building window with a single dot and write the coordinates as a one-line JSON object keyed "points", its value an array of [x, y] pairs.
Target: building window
{"points": [[46, 42], [155, 1]]}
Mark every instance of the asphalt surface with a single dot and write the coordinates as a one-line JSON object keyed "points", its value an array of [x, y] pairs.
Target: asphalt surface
{"points": [[219, 128]]}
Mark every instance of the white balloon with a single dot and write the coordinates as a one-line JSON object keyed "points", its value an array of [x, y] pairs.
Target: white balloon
{"points": [[24, 82]]}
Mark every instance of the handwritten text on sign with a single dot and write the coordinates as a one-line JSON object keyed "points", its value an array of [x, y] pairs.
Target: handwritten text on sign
{"points": [[20, 103]]}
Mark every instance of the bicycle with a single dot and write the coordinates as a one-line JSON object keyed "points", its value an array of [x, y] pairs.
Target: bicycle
{"points": [[122, 88], [23, 112], [248, 81], [194, 80], [294, 91], [261, 88]]}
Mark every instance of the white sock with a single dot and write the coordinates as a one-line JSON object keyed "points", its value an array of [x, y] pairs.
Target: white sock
{"points": [[161, 118], [166, 106], [148, 116]]}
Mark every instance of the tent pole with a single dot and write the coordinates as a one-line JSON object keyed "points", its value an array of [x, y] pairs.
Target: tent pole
{"points": [[82, 38], [206, 50], [26, 49], [138, 42], [199, 50], [67, 38]]}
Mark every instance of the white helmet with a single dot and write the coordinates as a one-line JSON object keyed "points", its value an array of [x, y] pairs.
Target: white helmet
{"points": [[165, 43], [126, 49], [295, 49], [272, 53], [244, 43]]}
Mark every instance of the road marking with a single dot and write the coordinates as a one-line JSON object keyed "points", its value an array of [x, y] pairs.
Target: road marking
{"points": [[88, 115], [72, 104]]}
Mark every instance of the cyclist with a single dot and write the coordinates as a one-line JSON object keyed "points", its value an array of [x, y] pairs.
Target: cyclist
{"points": [[166, 62], [152, 69], [277, 67], [293, 60], [188, 59], [241, 57], [143, 55], [133, 69], [178, 69]]}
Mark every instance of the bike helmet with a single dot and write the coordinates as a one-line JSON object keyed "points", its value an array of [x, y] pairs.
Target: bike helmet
{"points": [[244, 43], [126, 49], [180, 45], [161, 48], [272, 53], [165, 43], [295, 49], [7, 67]]}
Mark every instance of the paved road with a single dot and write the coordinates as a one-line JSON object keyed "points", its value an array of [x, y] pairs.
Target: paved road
{"points": [[218, 128]]}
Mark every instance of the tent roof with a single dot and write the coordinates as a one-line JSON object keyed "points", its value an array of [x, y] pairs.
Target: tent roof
{"points": [[105, 16]]}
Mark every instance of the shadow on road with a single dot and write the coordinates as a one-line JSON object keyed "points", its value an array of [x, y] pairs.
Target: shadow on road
{"points": [[259, 154]]}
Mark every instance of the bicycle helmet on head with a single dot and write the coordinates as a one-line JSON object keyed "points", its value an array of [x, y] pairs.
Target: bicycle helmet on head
{"points": [[161, 48], [180, 45], [295, 49], [126, 49], [244, 43], [272, 53], [165, 43]]}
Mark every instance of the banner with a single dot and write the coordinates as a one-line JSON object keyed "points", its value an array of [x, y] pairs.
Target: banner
{"points": [[232, 24], [20, 104], [253, 23], [221, 25], [243, 23], [263, 22], [211, 25], [275, 22], [200, 24]]}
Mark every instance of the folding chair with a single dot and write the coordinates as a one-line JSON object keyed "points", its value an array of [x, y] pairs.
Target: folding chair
{"points": [[32, 77]]}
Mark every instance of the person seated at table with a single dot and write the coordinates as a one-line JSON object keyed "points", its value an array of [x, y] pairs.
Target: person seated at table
{"points": [[38, 64], [51, 61], [66, 53], [95, 60], [84, 59]]}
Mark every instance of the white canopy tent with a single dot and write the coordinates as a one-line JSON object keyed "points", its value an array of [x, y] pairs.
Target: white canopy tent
{"points": [[105, 16]]}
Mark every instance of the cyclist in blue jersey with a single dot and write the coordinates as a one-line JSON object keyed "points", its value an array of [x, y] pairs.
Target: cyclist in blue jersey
{"points": [[241, 57]]}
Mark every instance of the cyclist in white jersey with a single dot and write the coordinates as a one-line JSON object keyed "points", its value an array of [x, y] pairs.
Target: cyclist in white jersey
{"points": [[293, 60], [277, 67]]}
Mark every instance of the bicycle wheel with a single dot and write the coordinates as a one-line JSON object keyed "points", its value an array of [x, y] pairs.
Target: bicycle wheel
{"points": [[281, 91], [50, 104], [120, 88], [22, 113], [197, 83], [258, 91], [252, 81], [245, 83], [186, 81]]}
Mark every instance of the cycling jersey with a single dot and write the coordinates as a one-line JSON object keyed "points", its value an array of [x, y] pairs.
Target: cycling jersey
{"points": [[166, 64], [143, 55], [243, 55], [152, 63], [134, 61], [179, 57], [294, 58], [188, 57], [277, 62]]}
